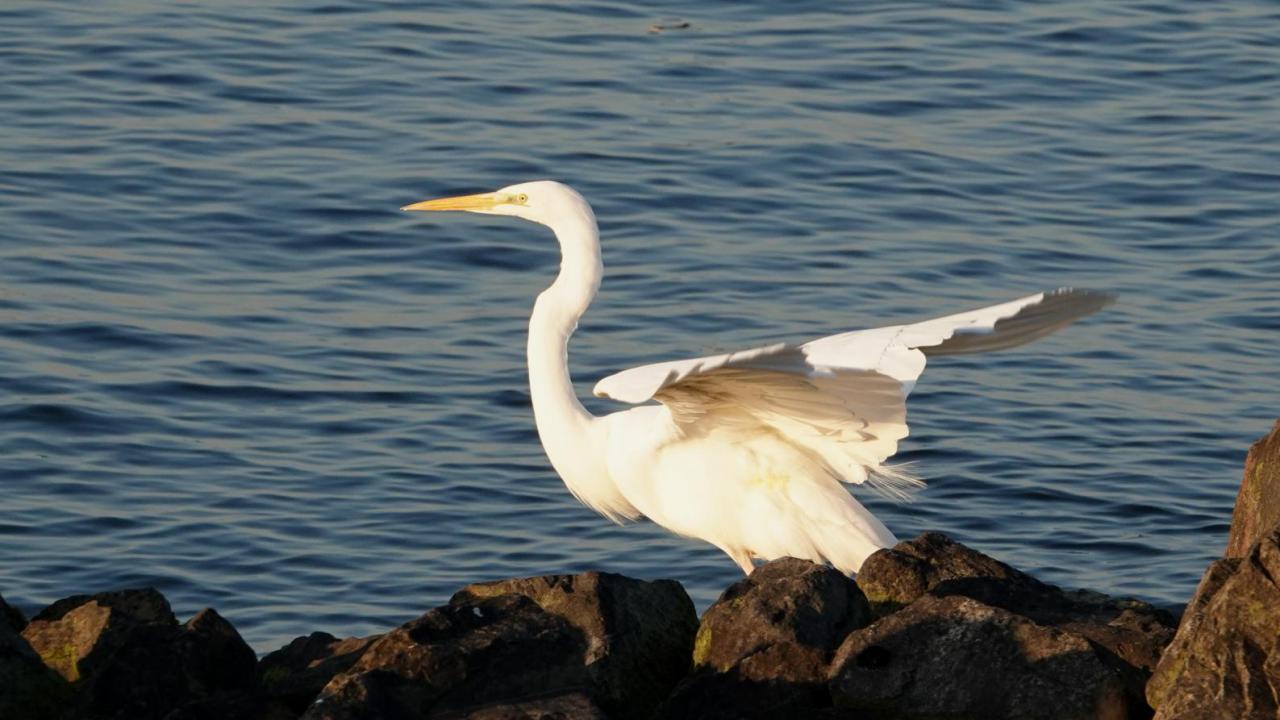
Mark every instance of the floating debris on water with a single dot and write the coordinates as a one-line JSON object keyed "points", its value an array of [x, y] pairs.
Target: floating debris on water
{"points": [[666, 25]]}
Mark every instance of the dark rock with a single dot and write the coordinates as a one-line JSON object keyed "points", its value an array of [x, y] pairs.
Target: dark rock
{"points": [[269, 711], [639, 634], [216, 658], [708, 695], [1258, 502], [787, 602], [368, 695], [127, 657], [894, 577], [573, 706], [226, 707], [1225, 660], [76, 634], [1135, 631], [764, 647], [461, 656], [1218, 572], [1131, 633], [296, 673], [530, 645], [161, 670], [11, 617], [28, 689], [957, 658], [141, 605]]}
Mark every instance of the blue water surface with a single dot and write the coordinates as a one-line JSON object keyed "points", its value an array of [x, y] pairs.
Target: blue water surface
{"points": [[232, 369]]}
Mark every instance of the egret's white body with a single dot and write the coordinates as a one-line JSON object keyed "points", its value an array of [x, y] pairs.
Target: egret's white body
{"points": [[749, 451]]}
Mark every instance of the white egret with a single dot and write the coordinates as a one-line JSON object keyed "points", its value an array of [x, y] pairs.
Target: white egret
{"points": [[749, 450]]}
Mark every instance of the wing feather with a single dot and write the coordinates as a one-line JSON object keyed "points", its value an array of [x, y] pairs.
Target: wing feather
{"points": [[842, 398]]}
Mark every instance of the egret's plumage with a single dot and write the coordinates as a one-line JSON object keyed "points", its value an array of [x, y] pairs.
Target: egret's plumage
{"points": [[747, 450]]}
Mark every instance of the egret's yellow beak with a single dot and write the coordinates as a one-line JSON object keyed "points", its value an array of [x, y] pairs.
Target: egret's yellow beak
{"points": [[480, 202]]}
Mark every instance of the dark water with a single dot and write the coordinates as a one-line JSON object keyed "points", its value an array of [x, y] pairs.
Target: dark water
{"points": [[230, 368]]}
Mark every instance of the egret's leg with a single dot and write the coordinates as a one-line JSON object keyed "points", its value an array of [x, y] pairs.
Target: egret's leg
{"points": [[743, 559]]}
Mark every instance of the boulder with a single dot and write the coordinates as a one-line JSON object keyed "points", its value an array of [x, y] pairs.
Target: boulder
{"points": [[227, 707], [933, 563], [11, 617], [764, 647], [1258, 502], [28, 689], [572, 706], [895, 577], [787, 602], [214, 656], [958, 658], [78, 634], [1225, 660], [127, 657], [595, 639], [296, 673], [1132, 634], [639, 634], [456, 658]]}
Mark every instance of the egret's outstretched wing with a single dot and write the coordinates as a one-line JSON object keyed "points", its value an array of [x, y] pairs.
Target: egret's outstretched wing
{"points": [[841, 397], [994, 327]]}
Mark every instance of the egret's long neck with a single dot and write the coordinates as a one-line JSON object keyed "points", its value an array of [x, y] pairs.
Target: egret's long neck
{"points": [[562, 421]]}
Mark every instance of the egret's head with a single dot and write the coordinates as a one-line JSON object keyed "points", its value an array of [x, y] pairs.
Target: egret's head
{"points": [[541, 201]]}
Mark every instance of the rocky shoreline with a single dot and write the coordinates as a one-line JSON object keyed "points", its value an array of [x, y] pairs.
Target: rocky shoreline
{"points": [[930, 629]]}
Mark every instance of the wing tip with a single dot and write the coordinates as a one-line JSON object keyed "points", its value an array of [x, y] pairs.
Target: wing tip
{"points": [[1022, 321], [1085, 296], [1076, 303]]}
